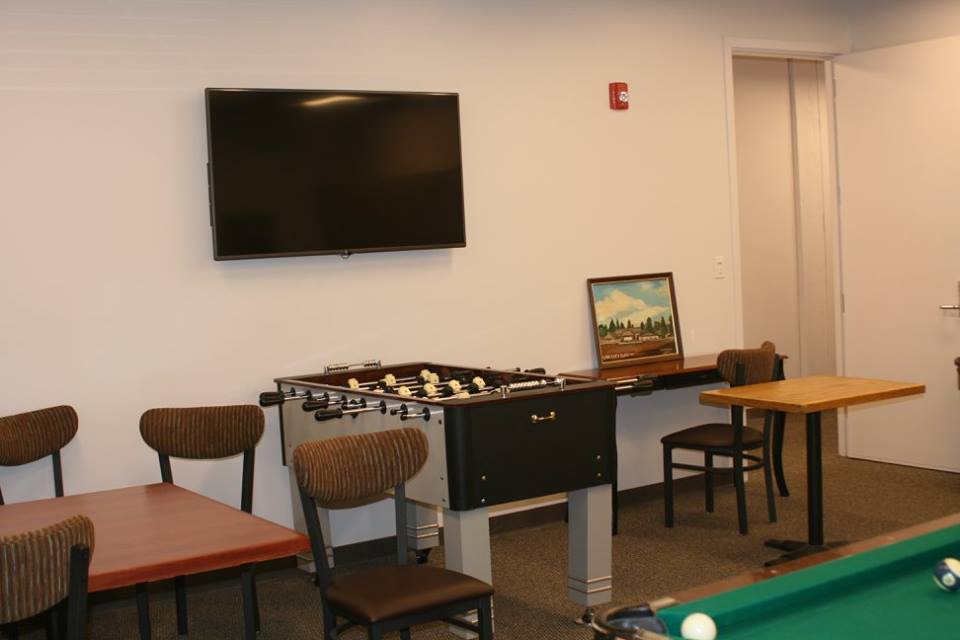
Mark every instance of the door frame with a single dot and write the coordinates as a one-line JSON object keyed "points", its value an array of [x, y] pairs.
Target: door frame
{"points": [[785, 49]]}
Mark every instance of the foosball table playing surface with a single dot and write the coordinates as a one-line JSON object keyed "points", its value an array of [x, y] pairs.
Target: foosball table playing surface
{"points": [[495, 437]]}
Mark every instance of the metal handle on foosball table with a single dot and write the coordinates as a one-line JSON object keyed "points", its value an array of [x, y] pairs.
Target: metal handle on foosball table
{"points": [[534, 418]]}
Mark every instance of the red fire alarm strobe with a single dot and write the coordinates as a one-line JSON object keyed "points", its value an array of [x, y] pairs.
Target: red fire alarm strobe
{"points": [[619, 95]]}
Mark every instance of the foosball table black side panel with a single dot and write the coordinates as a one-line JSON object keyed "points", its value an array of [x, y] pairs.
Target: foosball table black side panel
{"points": [[502, 452]]}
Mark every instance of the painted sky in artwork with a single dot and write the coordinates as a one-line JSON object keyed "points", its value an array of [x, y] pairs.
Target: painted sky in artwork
{"points": [[633, 301]]}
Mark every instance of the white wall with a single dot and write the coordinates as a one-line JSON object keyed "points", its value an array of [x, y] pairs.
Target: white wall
{"points": [[111, 301], [883, 23]]}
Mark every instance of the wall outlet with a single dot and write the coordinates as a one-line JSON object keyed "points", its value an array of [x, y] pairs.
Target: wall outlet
{"points": [[719, 267]]}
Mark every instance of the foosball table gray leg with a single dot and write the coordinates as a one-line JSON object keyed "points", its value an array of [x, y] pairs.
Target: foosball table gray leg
{"points": [[466, 545], [423, 529], [589, 551]]}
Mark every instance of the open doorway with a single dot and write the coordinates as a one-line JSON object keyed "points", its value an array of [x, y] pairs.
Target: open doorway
{"points": [[784, 177]]}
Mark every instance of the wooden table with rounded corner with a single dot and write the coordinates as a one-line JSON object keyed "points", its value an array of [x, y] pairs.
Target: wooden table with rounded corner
{"points": [[160, 531], [810, 396]]}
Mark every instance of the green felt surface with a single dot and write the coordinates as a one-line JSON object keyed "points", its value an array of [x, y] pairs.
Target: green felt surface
{"points": [[883, 593]]}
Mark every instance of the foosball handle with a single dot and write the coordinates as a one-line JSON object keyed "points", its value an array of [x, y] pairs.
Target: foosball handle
{"points": [[313, 405], [540, 370], [323, 415], [271, 398]]}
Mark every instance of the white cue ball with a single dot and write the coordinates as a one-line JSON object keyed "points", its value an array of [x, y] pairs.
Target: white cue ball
{"points": [[698, 626]]}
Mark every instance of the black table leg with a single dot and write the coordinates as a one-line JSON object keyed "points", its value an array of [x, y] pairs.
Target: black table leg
{"points": [[779, 424], [814, 481], [814, 544]]}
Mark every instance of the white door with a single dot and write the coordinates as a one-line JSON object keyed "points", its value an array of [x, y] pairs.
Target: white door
{"points": [[898, 142]]}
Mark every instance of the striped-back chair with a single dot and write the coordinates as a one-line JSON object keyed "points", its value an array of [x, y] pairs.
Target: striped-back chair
{"points": [[202, 433], [30, 436], [733, 439], [341, 471], [43, 568]]}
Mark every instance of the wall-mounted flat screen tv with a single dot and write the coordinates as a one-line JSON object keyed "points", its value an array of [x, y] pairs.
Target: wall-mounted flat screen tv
{"points": [[303, 172]]}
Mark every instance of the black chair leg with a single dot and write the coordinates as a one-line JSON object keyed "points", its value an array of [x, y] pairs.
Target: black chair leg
{"points": [[708, 480], [76, 602], [52, 623], [143, 611], [249, 617], [256, 604], [741, 491], [374, 633], [405, 634], [768, 476], [62, 614], [667, 486], [779, 424], [329, 621], [180, 592], [485, 619]]}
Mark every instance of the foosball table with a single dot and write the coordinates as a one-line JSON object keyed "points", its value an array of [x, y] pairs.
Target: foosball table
{"points": [[495, 437]]}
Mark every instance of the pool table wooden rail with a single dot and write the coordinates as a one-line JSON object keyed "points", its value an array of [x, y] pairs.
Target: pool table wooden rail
{"points": [[854, 548]]}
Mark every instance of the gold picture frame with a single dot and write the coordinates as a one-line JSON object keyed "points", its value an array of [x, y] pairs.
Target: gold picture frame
{"points": [[635, 319]]}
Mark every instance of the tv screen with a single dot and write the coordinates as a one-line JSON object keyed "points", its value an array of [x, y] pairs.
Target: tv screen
{"points": [[299, 172]]}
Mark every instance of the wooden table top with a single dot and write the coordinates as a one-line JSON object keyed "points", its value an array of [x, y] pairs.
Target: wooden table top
{"points": [[810, 394], [158, 531], [659, 368]]}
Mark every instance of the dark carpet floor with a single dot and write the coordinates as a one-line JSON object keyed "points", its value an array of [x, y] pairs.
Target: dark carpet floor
{"points": [[862, 499]]}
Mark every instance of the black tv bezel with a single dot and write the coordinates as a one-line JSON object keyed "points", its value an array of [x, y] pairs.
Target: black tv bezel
{"points": [[345, 252]]}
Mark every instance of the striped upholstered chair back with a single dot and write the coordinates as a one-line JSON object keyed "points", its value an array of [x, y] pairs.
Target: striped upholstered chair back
{"points": [[343, 471], [202, 433], [350, 468], [41, 568], [33, 435], [759, 365]]}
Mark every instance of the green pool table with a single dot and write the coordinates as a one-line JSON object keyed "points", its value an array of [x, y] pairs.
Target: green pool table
{"points": [[878, 588]]}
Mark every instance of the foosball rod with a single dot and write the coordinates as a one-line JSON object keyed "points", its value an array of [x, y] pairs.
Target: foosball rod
{"points": [[401, 409], [347, 366], [638, 385], [390, 380], [271, 398]]}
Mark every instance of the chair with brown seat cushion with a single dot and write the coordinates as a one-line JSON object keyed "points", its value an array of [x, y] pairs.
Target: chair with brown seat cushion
{"points": [[33, 435], [346, 469], [202, 433], [733, 439], [44, 569]]}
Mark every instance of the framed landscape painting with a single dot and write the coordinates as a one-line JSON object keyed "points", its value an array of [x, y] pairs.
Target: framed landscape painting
{"points": [[635, 319]]}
